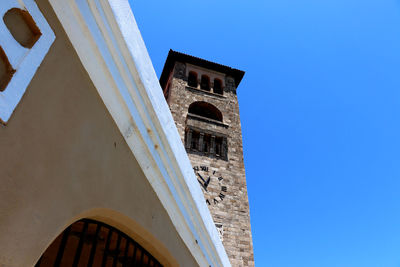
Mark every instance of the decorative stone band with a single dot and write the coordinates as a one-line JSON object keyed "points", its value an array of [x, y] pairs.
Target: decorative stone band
{"points": [[25, 39]]}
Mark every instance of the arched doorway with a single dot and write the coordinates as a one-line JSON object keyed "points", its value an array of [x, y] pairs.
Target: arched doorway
{"points": [[92, 243]]}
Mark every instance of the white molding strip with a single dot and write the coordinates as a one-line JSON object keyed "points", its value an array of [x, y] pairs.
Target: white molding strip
{"points": [[106, 37], [25, 61]]}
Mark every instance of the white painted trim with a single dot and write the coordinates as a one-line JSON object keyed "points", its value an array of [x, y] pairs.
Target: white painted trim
{"points": [[105, 35], [24, 61]]}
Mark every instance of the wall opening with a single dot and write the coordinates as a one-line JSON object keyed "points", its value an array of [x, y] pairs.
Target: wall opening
{"points": [[218, 86], [6, 70], [205, 83], [192, 79], [206, 143], [195, 141], [218, 146], [22, 27], [206, 110], [92, 243]]}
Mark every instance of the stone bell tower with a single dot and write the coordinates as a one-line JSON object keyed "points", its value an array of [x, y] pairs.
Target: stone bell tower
{"points": [[203, 101]]}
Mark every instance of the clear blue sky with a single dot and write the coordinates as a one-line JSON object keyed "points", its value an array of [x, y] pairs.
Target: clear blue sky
{"points": [[320, 110]]}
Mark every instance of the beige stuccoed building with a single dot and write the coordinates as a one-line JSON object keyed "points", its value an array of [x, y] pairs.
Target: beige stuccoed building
{"points": [[93, 169]]}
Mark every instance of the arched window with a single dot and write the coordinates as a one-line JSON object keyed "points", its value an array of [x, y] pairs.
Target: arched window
{"points": [[192, 79], [92, 243], [205, 83], [218, 86], [206, 110]]}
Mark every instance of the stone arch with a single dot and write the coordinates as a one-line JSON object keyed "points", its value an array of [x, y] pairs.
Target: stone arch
{"points": [[128, 231], [206, 110], [89, 242]]}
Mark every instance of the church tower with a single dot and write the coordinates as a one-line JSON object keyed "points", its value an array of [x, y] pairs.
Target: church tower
{"points": [[203, 101]]}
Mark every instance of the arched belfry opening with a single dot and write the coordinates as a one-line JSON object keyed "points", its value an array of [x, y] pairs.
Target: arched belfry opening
{"points": [[92, 243], [205, 83], [192, 79], [206, 110], [218, 86]]}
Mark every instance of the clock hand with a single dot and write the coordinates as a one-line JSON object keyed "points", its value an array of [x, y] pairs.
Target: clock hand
{"points": [[201, 177], [205, 187], [208, 182]]}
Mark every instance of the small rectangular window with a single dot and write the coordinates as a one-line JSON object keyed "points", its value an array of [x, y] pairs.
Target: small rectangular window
{"points": [[195, 140], [218, 146], [206, 143]]}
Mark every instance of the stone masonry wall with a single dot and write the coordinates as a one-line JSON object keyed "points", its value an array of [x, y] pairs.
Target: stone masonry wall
{"points": [[233, 212]]}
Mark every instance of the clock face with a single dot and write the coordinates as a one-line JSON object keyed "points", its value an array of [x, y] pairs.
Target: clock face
{"points": [[212, 184]]}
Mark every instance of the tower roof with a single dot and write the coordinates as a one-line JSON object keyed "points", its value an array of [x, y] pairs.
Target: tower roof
{"points": [[174, 56]]}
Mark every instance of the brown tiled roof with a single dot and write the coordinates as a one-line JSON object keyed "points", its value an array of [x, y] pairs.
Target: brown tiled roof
{"points": [[174, 56]]}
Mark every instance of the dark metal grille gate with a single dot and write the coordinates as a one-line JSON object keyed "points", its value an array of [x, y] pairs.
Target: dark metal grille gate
{"points": [[91, 243]]}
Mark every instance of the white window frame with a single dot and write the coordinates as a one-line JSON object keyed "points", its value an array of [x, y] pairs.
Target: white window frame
{"points": [[24, 60]]}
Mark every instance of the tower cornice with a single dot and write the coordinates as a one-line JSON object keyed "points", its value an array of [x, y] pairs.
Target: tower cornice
{"points": [[174, 56]]}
